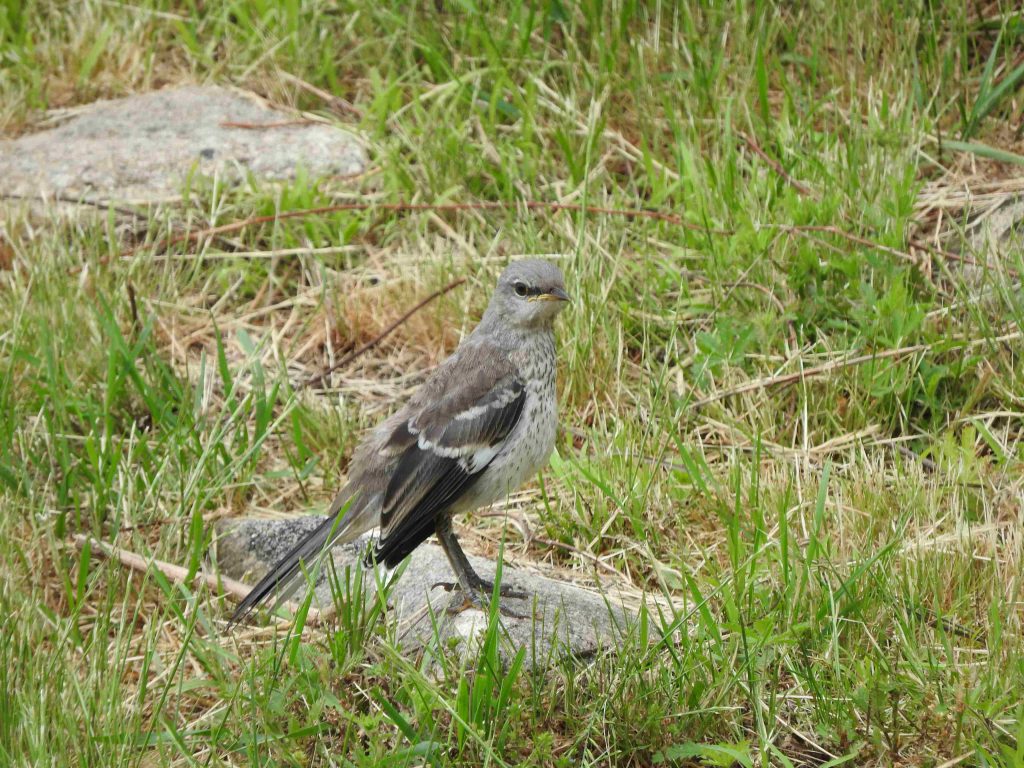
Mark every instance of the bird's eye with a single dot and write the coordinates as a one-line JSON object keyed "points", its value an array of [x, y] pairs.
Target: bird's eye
{"points": [[521, 289]]}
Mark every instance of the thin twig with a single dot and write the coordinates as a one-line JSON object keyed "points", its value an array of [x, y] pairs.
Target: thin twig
{"points": [[59, 198], [179, 575], [792, 378], [632, 213], [831, 229], [277, 253], [775, 165], [175, 573], [319, 378], [531, 205], [926, 464], [576, 551], [919, 243], [336, 102], [955, 761]]}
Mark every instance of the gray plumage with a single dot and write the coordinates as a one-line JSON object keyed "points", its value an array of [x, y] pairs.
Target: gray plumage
{"points": [[481, 425]]}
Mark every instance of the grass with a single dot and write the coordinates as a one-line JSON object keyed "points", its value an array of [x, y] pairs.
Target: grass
{"points": [[833, 566]]}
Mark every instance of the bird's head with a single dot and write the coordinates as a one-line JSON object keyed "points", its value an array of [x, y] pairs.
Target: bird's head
{"points": [[530, 293]]}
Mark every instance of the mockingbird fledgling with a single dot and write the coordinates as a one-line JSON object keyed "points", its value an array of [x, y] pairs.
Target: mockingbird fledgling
{"points": [[481, 425]]}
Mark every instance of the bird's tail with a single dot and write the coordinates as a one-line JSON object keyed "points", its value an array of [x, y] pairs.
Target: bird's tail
{"points": [[285, 578]]}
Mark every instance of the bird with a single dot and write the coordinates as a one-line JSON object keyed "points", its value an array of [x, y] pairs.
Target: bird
{"points": [[481, 424]]}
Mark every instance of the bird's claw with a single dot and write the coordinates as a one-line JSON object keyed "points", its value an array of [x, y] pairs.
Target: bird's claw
{"points": [[475, 602], [506, 590], [479, 598], [510, 614], [485, 588]]}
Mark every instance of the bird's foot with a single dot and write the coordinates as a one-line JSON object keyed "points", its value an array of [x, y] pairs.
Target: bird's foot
{"points": [[505, 590], [486, 588], [480, 598]]}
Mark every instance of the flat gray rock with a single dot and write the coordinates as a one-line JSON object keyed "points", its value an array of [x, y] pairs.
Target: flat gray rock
{"points": [[555, 620], [143, 147]]}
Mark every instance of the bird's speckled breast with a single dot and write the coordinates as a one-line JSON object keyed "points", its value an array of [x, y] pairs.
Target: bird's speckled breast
{"points": [[528, 447]]}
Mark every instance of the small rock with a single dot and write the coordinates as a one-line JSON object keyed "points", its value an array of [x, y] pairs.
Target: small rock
{"points": [[141, 148], [556, 619]]}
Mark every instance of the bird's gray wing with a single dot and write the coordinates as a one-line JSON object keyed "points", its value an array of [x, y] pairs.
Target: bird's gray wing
{"points": [[456, 427]]}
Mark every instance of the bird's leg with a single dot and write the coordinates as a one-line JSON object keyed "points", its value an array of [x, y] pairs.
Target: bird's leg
{"points": [[470, 583]]}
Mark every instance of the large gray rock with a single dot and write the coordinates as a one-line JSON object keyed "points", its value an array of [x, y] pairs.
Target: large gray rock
{"points": [[556, 619], [142, 147]]}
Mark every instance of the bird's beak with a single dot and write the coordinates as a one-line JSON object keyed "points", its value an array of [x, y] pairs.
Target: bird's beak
{"points": [[556, 294]]}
